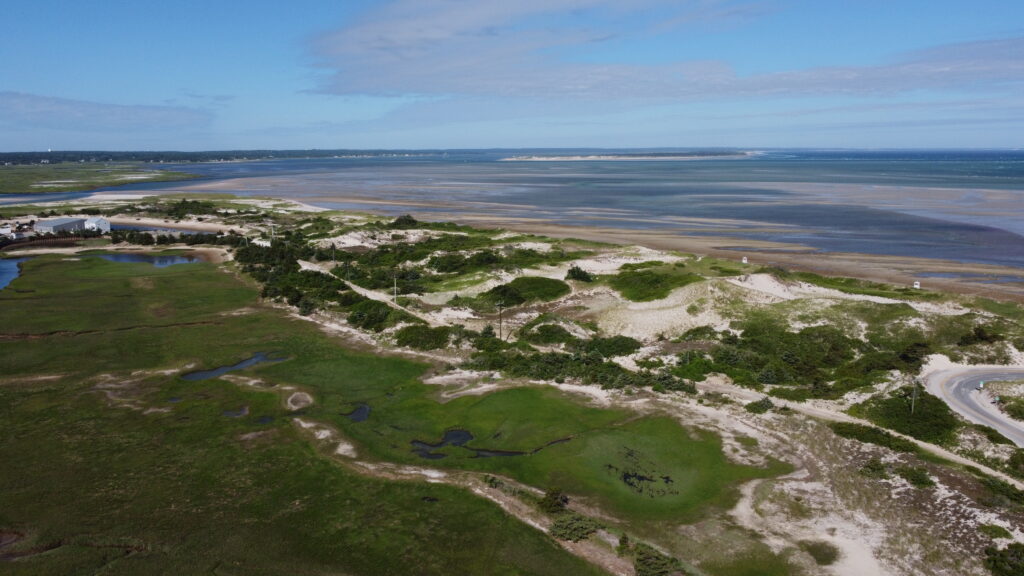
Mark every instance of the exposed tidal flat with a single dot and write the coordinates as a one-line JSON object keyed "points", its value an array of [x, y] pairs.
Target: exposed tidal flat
{"points": [[880, 215]]}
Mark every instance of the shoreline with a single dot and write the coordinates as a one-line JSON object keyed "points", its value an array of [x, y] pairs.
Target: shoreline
{"points": [[967, 278]]}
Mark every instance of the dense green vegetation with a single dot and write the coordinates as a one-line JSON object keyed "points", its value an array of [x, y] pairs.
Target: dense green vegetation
{"points": [[824, 553], [247, 475], [423, 337], [914, 413], [645, 284], [872, 435], [1008, 561], [994, 531], [916, 475], [189, 488]]}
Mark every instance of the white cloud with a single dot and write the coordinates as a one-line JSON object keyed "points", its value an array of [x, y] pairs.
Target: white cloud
{"points": [[455, 48]]}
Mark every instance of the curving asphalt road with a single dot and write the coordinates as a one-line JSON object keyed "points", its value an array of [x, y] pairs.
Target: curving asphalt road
{"points": [[958, 388]]}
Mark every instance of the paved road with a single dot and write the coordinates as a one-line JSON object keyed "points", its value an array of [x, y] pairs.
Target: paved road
{"points": [[958, 388]]}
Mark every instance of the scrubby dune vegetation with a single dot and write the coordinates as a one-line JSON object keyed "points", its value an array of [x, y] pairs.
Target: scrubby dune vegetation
{"points": [[655, 412]]}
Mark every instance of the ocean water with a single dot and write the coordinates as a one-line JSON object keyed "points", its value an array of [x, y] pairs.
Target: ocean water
{"points": [[959, 205]]}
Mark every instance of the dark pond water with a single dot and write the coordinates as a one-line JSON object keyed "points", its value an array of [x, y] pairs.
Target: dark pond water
{"points": [[360, 414], [158, 260], [264, 419], [218, 372], [459, 437], [9, 270], [451, 438]]}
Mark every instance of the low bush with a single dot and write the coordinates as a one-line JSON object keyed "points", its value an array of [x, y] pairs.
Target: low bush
{"points": [[376, 316], [1006, 562], [994, 531], [579, 274], [548, 334], [931, 419], [573, 527], [647, 285], [874, 468], [610, 347], [759, 406], [423, 337], [916, 475], [872, 435], [824, 553]]}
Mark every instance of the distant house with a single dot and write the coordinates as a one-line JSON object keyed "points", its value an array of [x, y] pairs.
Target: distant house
{"points": [[261, 242], [98, 224], [58, 225]]}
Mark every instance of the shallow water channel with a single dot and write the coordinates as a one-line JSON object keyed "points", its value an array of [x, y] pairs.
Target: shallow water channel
{"points": [[457, 437], [253, 360]]}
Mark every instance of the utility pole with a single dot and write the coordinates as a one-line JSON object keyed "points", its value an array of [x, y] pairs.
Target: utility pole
{"points": [[913, 397], [501, 304]]}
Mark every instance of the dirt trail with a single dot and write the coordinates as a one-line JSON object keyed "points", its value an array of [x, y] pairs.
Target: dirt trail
{"points": [[746, 395], [371, 294]]}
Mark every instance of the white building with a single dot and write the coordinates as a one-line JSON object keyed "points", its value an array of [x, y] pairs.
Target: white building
{"points": [[59, 225], [101, 225]]}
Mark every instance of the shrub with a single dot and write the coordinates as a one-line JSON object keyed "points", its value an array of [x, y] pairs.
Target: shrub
{"points": [[548, 334], [611, 347], [931, 421], [573, 527], [375, 316], [760, 406], [553, 501], [872, 435], [403, 222], [824, 553], [994, 531], [423, 337], [647, 285], [874, 468], [577, 273], [1006, 562], [649, 562], [916, 475], [537, 288]]}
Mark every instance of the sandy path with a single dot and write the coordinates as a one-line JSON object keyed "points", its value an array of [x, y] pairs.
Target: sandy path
{"points": [[722, 386]]}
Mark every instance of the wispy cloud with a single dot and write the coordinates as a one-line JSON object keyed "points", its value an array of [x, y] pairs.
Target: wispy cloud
{"points": [[19, 111], [456, 48]]}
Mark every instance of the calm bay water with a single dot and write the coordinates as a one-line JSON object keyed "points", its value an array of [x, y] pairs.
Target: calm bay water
{"points": [[960, 205]]}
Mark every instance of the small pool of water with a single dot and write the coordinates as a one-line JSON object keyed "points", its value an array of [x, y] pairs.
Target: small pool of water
{"points": [[459, 437], [158, 260], [454, 437], [257, 358], [10, 268], [360, 414]]}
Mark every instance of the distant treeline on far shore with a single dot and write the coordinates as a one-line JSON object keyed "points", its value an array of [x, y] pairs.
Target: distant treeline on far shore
{"points": [[173, 157]]}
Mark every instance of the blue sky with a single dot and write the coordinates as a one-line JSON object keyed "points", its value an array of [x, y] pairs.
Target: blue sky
{"points": [[201, 75]]}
